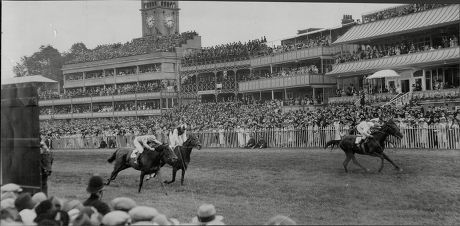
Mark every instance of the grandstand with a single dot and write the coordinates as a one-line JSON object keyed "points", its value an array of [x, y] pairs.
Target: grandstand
{"points": [[315, 67]]}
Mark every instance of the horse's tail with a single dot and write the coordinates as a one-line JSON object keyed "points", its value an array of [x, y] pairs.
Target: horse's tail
{"points": [[113, 157], [332, 142]]}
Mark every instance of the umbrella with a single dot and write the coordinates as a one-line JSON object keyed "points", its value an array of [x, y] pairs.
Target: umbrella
{"points": [[384, 74]]}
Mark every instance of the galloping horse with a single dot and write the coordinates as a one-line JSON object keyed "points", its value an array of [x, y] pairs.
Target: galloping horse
{"points": [[374, 147], [183, 152], [148, 162]]}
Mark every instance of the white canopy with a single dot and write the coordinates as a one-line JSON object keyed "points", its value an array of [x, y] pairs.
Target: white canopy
{"points": [[383, 74], [27, 79]]}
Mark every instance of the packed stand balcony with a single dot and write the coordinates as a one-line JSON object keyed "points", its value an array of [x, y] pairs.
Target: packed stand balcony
{"points": [[82, 108], [48, 94], [405, 47], [399, 11], [301, 44], [138, 46], [126, 106], [224, 53]]}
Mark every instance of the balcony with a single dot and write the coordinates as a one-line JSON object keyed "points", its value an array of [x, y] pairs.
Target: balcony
{"points": [[119, 79], [291, 56], [102, 114], [286, 82], [215, 65], [420, 59]]}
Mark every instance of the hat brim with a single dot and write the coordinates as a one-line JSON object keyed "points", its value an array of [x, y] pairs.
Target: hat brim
{"points": [[94, 190], [217, 218]]}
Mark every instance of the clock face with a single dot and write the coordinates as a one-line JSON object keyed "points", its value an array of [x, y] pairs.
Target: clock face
{"points": [[150, 21], [169, 21]]}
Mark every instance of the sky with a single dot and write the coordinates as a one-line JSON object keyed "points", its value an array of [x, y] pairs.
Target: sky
{"points": [[28, 25]]}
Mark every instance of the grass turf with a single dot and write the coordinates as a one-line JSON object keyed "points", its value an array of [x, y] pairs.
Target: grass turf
{"points": [[310, 186]]}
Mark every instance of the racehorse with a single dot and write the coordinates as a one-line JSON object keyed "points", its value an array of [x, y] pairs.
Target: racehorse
{"points": [[332, 143], [374, 146], [183, 153], [148, 161]]}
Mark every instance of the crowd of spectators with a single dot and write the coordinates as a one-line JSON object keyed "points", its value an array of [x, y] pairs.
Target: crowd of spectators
{"points": [[251, 115], [243, 51], [137, 46], [22, 208], [48, 94], [405, 47], [399, 11], [300, 44], [224, 53], [129, 88], [100, 107], [312, 69]]}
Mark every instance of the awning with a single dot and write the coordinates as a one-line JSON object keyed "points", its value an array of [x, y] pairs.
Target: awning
{"points": [[383, 74], [28, 79], [420, 59], [403, 24]]}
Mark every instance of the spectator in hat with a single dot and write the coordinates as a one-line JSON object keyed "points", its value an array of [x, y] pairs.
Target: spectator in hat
{"points": [[96, 188], [46, 161], [24, 201], [161, 219], [39, 197], [207, 216], [11, 188], [123, 204], [280, 220], [142, 214], [116, 218]]}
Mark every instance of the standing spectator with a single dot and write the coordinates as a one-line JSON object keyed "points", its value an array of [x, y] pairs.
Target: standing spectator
{"points": [[46, 162], [96, 188]]}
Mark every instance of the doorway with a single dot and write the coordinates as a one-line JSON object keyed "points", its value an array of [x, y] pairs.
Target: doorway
{"points": [[405, 86]]}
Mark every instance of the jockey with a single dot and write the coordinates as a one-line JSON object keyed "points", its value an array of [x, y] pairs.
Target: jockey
{"points": [[140, 143], [364, 128], [178, 136]]}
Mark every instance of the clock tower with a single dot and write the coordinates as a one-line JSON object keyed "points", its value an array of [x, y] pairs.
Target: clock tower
{"points": [[159, 17]]}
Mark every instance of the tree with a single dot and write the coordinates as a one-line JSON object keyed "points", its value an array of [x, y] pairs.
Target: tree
{"points": [[76, 49], [46, 62]]}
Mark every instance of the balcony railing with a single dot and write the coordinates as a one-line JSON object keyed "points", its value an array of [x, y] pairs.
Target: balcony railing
{"points": [[285, 82], [110, 98], [102, 114], [290, 56], [118, 79]]}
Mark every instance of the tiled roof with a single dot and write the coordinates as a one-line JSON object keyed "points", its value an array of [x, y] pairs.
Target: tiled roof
{"points": [[413, 59], [403, 24]]}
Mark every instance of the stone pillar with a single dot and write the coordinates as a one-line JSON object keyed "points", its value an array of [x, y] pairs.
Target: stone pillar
{"points": [[273, 95]]}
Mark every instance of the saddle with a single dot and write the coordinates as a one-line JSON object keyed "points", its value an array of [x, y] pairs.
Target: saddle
{"points": [[361, 144]]}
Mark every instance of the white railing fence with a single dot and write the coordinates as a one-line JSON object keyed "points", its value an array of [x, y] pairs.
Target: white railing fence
{"points": [[422, 138]]}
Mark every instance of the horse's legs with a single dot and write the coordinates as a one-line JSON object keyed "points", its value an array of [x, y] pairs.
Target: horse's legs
{"points": [[119, 166], [141, 181], [174, 171], [353, 158], [392, 163], [382, 160], [182, 178], [347, 160]]}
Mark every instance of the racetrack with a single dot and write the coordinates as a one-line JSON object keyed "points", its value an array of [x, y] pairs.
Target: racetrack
{"points": [[310, 186]]}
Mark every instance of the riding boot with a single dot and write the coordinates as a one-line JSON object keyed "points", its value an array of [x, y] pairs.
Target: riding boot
{"points": [[135, 158]]}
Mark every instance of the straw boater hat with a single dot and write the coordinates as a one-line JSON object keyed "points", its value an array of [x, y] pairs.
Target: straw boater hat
{"points": [[207, 215]]}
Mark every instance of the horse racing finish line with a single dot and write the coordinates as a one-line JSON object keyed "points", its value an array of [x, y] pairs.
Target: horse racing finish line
{"points": [[310, 186]]}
